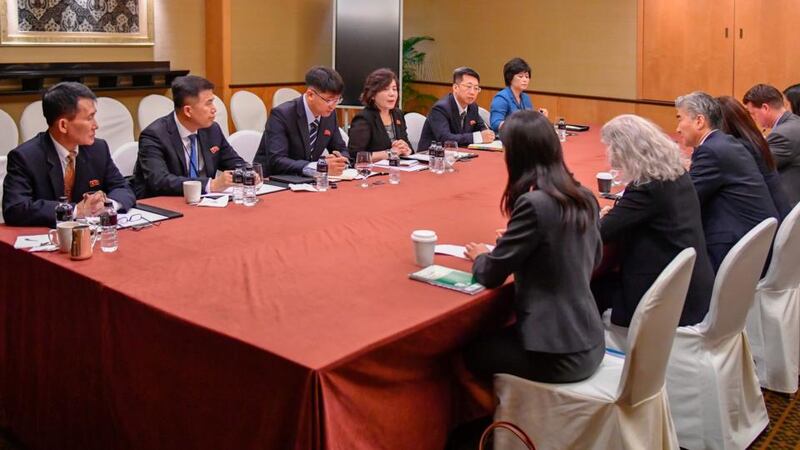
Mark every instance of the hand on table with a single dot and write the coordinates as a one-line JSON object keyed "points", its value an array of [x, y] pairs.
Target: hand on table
{"points": [[604, 211], [487, 135], [474, 250], [336, 163], [401, 147], [91, 205], [223, 181]]}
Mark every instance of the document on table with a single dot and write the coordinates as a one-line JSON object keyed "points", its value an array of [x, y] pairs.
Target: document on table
{"points": [[32, 241], [263, 189], [143, 217], [454, 250], [403, 162], [492, 146], [302, 187], [214, 200]]}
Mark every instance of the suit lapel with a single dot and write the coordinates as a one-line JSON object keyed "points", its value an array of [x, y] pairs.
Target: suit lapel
{"points": [[177, 144], [83, 174], [455, 119], [54, 170], [322, 139], [205, 152], [302, 125]]}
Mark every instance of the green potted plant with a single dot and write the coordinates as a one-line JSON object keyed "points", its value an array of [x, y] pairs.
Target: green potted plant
{"points": [[412, 61]]}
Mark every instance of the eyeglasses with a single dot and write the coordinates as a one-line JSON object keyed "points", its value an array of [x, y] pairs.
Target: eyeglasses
{"points": [[471, 87], [330, 101], [135, 218]]}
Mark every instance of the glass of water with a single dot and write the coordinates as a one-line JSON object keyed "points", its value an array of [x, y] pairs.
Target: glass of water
{"points": [[450, 153], [363, 163]]}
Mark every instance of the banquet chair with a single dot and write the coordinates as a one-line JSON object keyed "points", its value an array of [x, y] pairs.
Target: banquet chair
{"points": [[248, 111], [624, 404], [125, 157], [114, 123], [773, 323], [485, 116], [283, 95], [345, 136], [9, 135], [414, 124], [32, 121], [222, 115], [152, 107], [245, 142]]}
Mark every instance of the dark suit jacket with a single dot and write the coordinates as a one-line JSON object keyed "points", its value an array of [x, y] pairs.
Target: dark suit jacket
{"points": [[651, 224], [552, 265], [444, 124], [367, 132], [284, 147], [161, 167], [772, 179], [35, 180], [733, 195], [784, 142]]}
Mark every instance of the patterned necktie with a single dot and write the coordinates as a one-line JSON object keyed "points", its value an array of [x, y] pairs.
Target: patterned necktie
{"points": [[193, 156], [69, 175], [313, 127], [463, 116]]}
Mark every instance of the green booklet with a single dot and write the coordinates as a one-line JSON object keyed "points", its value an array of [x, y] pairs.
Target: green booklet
{"points": [[446, 277]]}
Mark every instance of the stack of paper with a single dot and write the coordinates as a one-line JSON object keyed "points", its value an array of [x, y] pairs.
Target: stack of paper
{"points": [[445, 277], [495, 146]]}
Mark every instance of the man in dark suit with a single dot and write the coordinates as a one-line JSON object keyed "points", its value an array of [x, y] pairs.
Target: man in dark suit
{"points": [[733, 195], [455, 116], [301, 131], [767, 108], [64, 161], [185, 145]]}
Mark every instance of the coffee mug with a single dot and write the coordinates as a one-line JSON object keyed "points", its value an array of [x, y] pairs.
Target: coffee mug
{"points": [[62, 235], [191, 191], [604, 180], [83, 241], [424, 246]]}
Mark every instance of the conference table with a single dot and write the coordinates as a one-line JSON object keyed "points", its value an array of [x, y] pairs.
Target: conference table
{"points": [[288, 325]]}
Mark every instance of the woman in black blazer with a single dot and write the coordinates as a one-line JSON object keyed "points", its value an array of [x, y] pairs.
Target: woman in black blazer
{"points": [[551, 245], [656, 218], [380, 126]]}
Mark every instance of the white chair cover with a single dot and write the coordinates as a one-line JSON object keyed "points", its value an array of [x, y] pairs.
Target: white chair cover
{"points": [[773, 323], [283, 95], [222, 115], [414, 124], [153, 107], [9, 136], [125, 158], [32, 121], [485, 116], [624, 404], [713, 389], [248, 111], [114, 121], [245, 142]]}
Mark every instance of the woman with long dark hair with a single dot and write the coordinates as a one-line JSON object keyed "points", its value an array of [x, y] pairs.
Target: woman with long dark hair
{"points": [[551, 245], [737, 122]]}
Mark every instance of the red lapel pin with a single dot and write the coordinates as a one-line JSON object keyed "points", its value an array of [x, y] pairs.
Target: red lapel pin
{"points": [[94, 183], [214, 149], [326, 132]]}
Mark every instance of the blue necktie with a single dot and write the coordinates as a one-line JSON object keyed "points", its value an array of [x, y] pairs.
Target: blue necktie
{"points": [[192, 156]]}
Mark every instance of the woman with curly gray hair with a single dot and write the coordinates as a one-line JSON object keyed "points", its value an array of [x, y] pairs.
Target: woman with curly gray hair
{"points": [[656, 218]]}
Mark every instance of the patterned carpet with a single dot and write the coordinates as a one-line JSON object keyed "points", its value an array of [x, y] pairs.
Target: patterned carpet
{"points": [[783, 431]]}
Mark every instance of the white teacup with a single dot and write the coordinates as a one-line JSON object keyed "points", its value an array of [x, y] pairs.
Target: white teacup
{"points": [[191, 191], [424, 246], [62, 235]]}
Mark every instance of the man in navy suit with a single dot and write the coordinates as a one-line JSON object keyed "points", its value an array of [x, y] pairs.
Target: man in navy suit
{"points": [[733, 195], [765, 104], [301, 131], [455, 116], [64, 161], [185, 145]]}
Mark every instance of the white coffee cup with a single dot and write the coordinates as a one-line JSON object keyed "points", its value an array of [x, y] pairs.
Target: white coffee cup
{"points": [[62, 235], [191, 191], [424, 246]]}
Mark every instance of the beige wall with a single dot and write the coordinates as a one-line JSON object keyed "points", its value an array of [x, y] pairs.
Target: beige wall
{"points": [[275, 41], [574, 46]]}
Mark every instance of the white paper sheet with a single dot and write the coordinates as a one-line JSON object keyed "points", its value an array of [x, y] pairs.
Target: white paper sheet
{"points": [[454, 250], [302, 187], [220, 201], [31, 241]]}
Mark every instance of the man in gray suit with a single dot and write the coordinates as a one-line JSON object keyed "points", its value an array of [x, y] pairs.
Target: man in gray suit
{"points": [[766, 105]]}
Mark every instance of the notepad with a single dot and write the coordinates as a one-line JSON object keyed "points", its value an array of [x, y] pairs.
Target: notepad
{"points": [[495, 146], [448, 278]]}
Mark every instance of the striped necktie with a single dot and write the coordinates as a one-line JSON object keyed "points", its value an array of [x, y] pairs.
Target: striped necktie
{"points": [[313, 127], [69, 175]]}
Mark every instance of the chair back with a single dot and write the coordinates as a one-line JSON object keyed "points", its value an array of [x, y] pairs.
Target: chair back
{"points": [[222, 115], [784, 269], [485, 116], [735, 283], [32, 121], [9, 135], [345, 136], [414, 124], [283, 95], [248, 111], [114, 123], [125, 157], [653, 329], [153, 107], [245, 142]]}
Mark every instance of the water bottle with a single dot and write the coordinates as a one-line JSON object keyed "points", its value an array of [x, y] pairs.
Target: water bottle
{"points": [[433, 158], [562, 130], [394, 168], [63, 210], [440, 158], [321, 175], [108, 230], [249, 186], [238, 186]]}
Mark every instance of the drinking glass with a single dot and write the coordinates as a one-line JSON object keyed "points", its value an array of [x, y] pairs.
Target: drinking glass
{"points": [[615, 177], [450, 153], [259, 175], [363, 162]]}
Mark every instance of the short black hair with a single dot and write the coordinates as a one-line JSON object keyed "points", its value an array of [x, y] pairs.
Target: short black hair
{"points": [[187, 87], [324, 79], [459, 73], [763, 93], [513, 67], [62, 100]]}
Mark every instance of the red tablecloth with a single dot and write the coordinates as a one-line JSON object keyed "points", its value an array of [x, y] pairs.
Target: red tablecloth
{"points": [[292, 324]]}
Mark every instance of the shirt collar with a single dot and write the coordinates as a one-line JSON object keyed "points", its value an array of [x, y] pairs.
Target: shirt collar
{"points": [[778, 119], [62, 151], [703, 140], [182, 130], [458, 105], [310, 117]]}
